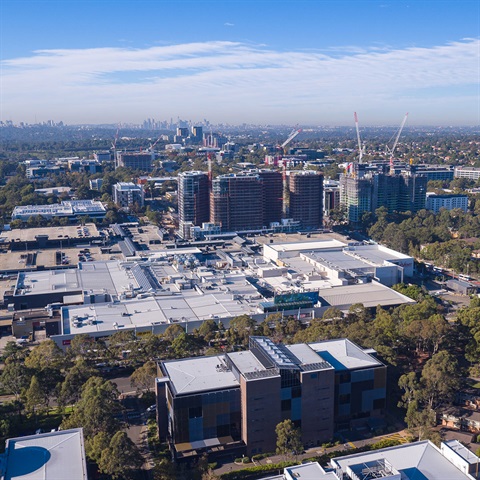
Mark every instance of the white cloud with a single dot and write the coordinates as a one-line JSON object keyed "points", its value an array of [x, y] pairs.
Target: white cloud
{"points": [[228, 24], [236, 82]]}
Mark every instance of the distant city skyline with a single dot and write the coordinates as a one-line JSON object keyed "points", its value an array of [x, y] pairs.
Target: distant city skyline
{"points": [[264, 62]]}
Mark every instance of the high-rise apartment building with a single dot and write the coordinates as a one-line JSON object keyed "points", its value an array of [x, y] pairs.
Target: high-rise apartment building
{"points": [[197, 133], [193, 200], [233, 402], [306, 198], [331, 195], [364, 190], [272, 196], [236, 202]]}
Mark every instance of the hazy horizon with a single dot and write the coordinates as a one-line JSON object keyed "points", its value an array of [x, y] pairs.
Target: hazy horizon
{"points": [[264, 62]]}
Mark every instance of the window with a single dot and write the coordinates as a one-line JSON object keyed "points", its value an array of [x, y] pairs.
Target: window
{"points": [[286, 405], [343, 399], [296, 391], [195, 412], [378, 403]]}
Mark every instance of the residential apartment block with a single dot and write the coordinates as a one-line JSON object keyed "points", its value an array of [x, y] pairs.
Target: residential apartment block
{"points": [[236, 202], [125, 194], [233, 402], [364, 190], [448, 202], [306, 198], [193, 201]]}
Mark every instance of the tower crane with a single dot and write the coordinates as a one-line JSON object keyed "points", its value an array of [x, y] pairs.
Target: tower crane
{"points": [[152, 145], [292, 135], [391, 151], [361, 150], [114, 147]]}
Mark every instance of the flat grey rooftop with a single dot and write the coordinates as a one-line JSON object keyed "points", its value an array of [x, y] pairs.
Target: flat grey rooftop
{"points": [[246, 362], [48, 456], [419, 460], [309, 471], [202, 374], [107, 277], [306, 246], [29, 234], [338, 259], [369, 294], [307, 356], [343, 354]]}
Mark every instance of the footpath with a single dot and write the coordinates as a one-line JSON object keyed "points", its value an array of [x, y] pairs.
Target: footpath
{"points": [[348, 447]]}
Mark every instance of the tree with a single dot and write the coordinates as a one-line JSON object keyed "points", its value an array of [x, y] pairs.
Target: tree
{"points": [[14, 351], [409, 384], [35, 397], [289, 440], [97, 445], [96, 409], [77, 376], [121, 459], [85, 346], [172, 332], [47, 355], [240, 329], [208, 329], [15, 377], [143, 378], [184, 345], [419, 421], [440, 379]]}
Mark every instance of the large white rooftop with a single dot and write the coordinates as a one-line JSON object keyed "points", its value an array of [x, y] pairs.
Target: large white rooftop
{"points": [[49, 456], [419, 460], [209, 300], [193, 375], [368, 294], [305, 246]]}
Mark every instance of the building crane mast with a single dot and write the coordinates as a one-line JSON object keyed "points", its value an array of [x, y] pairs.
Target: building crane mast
{"points": [[114, 147], [292, 135], [392, 150], [360, 148]]}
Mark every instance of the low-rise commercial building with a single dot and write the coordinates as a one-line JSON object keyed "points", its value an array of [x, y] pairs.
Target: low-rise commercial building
{"points": [[46, 456], [233, 402], [70, 209], [419, 460]]}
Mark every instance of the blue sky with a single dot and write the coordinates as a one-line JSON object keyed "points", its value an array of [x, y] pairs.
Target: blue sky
{"points": [[309, 62]]}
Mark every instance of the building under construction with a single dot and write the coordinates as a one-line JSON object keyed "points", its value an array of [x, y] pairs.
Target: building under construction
{"points": [[236, 202], [364, 191], [364, 188], [305, 190], [142, 161]]}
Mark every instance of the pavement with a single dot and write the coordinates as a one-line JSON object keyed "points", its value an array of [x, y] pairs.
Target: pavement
{"points": [[136, 428], [228, 465]]}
